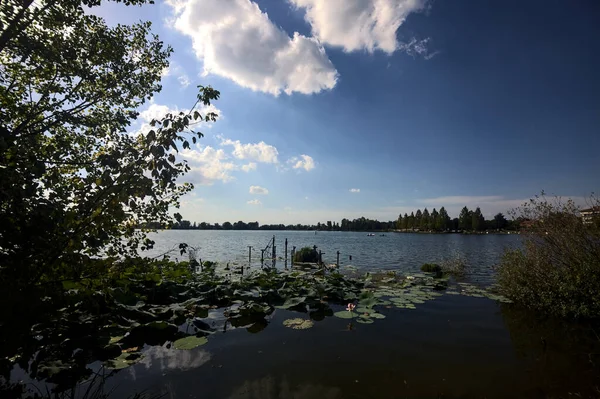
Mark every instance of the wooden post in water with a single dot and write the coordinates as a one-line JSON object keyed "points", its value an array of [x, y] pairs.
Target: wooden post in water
{"points": [[337, 262], [293, 256], [262, 257], [249, 254], [274, 253], [320, 257], [286, 252]]}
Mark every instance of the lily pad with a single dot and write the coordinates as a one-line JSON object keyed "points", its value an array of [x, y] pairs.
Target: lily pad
{"points": [[363, 320], [190, 342], [377, 316], [344, 314], [299, 324], [291, 302], [123, 361]]}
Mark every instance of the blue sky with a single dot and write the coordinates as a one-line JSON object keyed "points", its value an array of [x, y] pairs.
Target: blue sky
{"points": [[349, 108]]}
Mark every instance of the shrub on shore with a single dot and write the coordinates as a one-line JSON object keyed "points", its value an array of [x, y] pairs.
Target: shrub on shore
{"points": [[557, 271], [431, 268], [307, 254]]}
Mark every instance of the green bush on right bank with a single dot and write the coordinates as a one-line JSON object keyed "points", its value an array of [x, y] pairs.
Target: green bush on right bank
{"points": [[557, 271]]}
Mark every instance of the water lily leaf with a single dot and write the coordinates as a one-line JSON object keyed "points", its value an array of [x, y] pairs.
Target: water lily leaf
{"points": [[123, 361], [363, 320], [291, 302], [298, 324], [190, 342], [452, 293], [368, 302], [377, 316], [410, 306], [344, 314], [363, 310], [114, 340]]}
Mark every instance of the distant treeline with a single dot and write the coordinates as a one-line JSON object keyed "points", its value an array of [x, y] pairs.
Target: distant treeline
{"points": [[468, 220], [360, 224], [435, 221]]}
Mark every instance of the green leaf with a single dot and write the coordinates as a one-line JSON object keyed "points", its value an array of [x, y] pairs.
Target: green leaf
{"points": [[344, 314], [291, 302], [298, 324], [190, 342], [362, 320]]}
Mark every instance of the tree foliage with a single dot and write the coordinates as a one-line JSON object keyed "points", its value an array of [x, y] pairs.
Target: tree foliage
{"points": [[74, 181], [558, 269]]}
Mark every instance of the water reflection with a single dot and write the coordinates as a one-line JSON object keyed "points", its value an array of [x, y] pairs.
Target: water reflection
{"points": [[158, 359], [270, 388], [560, 358]]}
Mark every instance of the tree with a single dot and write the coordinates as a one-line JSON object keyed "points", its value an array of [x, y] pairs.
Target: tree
{"points": [[500, 221], [477, 220], [464, 219], [74, 183], [329, 225], [411, 221], [434, 220], [418, 217], [443, 220], [227, 226], [424, 225]]}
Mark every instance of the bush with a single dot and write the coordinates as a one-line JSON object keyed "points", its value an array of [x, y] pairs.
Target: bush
{"points": [[455, 266], [307, 254], [431, 268], [558, 269]]}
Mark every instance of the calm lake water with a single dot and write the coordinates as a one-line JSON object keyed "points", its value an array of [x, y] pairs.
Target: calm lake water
{"points": [[393, 251], [451, 347]]}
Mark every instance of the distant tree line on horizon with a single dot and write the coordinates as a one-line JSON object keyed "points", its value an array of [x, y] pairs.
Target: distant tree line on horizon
{"points": [[435, 221], [467, 220]]}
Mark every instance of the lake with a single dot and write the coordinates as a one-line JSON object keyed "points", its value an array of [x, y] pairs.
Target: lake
{"points": [[452, 347], [404, 252]]}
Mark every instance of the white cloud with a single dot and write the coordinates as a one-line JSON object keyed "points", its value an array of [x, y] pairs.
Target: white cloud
{"points": [[159, 111], [184, 81], [259, 152], [165, 72], [359, 24], [209, 165], [304, 162], [254, 202], [236, 40], [258, 190], [355, 190], [248, 167]]}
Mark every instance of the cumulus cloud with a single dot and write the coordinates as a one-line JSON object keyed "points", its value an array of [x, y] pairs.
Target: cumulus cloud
{"points": [[359, 24], [249, 166], [209, 165], [258, 190], [303, 162], [259, 152], [184, 81], [254, 202], [236, 40], [355, 190]]}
